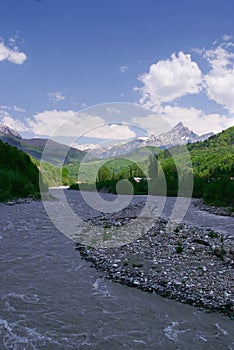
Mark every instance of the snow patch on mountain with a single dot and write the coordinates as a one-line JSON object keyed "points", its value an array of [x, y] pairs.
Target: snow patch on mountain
{"points": [[5, 130]]}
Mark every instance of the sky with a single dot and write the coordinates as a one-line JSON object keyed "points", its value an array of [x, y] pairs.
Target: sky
{"points": [[61, 59]]}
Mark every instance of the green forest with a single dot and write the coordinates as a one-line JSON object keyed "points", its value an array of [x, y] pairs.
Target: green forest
{"points": [[208, 164], [19, 176], [211, 170]]}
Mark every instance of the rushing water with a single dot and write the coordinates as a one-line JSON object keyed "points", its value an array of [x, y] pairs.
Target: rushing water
{"points": [[52, 299]]}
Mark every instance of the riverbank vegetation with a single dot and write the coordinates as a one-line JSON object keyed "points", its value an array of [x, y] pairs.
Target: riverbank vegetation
{"points": [[211, 168], [202, 170], [19, 176]]}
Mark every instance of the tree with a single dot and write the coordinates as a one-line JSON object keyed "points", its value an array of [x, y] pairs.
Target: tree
{"points": [[153, 167], [104, 174]]}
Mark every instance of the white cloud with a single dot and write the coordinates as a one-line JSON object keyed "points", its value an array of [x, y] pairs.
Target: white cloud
{"points": [[62, 123], [3, 112], [112, 110], [113, 131], [18, 109], [74, 124], [179, 76], [83, 105], [196, 119], [14, 124], [56, 96], [5, 107], [11, 55], [220, 80], [227, 37], [170, 79], [13, 108], [123, 69], [154, 123]]}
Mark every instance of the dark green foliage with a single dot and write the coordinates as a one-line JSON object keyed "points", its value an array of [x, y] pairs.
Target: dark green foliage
{"points": [[19, 177], [137, 264], [212, 166], [118, 169], [105, 174], [179, 248], [74, 187], [153, 167], [210, 172], [213, 234], [219, 192]]}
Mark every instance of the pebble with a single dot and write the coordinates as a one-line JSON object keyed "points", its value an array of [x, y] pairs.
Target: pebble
{"points": [[224, 211], [192, 265]]}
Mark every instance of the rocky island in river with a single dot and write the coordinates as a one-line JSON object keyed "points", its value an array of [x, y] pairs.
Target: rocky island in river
{"points": [[190, 264]]}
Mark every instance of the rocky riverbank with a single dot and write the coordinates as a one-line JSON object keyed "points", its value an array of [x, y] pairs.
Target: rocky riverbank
{"points": [[19, 201], [45, 197], [223, 211], [189, 264]]}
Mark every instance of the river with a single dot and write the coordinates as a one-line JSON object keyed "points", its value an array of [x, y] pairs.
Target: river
{"points": [[52, 299]]}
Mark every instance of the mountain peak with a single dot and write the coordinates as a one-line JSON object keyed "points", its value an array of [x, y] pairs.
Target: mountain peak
{"points": [[5, 130], [179, 126]]}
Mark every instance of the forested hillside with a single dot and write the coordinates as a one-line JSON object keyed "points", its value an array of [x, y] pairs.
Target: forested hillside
{"points": [[19, 177], [211, 168]]}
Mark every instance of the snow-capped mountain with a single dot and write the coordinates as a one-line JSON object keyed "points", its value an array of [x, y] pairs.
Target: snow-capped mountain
{"points": [[178, 135], [87, 146], [5, 130]]}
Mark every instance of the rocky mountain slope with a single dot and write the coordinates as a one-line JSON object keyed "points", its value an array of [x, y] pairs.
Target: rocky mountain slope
{"points": [[35, 147], [178, 135]]}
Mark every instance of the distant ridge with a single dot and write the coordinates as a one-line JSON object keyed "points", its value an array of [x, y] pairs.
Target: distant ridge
{"points": [[35, 147], [5, 130], [178, 135]]}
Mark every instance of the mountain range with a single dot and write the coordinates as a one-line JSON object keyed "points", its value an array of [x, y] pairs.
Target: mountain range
{"points": [[35, 147], [179, 134]]}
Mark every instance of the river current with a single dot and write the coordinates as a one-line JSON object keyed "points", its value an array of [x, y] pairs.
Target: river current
{"points": [[52, 299]]}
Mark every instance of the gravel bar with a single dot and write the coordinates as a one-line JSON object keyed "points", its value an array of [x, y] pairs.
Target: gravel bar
{"points": [[190, 264]]}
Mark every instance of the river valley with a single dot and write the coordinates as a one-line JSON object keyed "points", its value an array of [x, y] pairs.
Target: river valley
{"points": [[51, 299]]}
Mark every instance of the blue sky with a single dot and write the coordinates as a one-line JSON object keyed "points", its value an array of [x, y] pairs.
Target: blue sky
{"points": [[175, 58]]}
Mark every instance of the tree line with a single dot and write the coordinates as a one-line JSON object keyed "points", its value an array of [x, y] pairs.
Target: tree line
{"points": [[19, 176], [211, 171]]}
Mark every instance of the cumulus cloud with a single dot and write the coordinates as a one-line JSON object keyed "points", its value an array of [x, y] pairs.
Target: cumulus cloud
{"points": [[74, 124], [196, 119], [112, 131], [123, 69], [170, 79], [153, 123], [62, 123], [11, 55], [220, 80], [56, 96], [14, 123]]}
